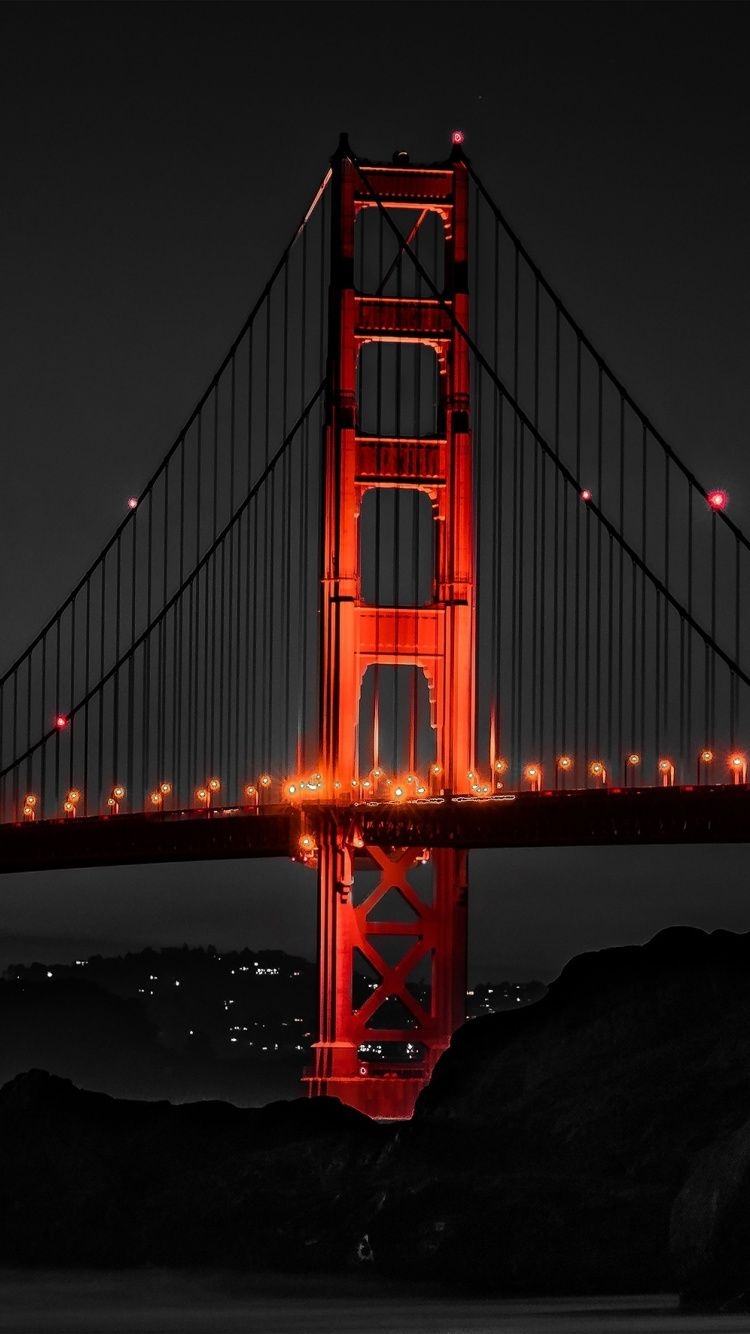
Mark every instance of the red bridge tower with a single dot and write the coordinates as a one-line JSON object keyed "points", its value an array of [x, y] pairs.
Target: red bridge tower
{"points": [[438, 638]]}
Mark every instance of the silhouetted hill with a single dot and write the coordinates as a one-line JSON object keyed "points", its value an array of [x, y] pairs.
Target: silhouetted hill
{"points": [[170, 1023]]}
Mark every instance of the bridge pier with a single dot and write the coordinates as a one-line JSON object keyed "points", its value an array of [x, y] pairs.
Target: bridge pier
{"points": [[392, 971]]}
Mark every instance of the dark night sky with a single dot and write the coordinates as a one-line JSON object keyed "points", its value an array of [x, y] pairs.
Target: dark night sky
{"points": [[153, 158]]}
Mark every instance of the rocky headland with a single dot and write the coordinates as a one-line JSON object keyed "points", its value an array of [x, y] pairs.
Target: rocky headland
{"points": [[598, 1141]]}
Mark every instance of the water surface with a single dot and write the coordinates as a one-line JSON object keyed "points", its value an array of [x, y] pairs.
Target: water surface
{"points": [[154, 1301]]}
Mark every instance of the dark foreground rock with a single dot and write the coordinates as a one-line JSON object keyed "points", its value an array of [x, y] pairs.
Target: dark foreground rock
{"points": [[547, 1152], [86, 1179], [548, 1155]]}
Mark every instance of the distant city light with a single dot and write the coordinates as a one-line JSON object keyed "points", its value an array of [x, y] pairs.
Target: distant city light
{"points": [[717, 500]]}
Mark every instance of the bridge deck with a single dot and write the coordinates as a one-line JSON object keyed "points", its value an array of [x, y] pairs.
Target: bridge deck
{"points": [[706, 814]]}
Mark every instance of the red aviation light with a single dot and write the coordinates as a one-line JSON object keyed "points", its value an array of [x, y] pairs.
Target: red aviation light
{"points": [[717, 500], [586, 495], [132, 502], [457, 138], [61, 721]]}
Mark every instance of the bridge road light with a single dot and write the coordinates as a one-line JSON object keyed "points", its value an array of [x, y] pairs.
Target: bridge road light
{"points": [[632, 762], [666, 772], [705, 757], [533, 775], [264, 783], [598, 771], [203, 797], [500, 768], [166, 790], [29, 807], [154, 800], [738, 765], [70, 805], [564, 766], [251, 793], [115, 797], [436, 773]]}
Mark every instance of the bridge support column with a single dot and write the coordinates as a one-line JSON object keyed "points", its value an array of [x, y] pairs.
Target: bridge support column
{"points": [[393, 952], [392, 949]]}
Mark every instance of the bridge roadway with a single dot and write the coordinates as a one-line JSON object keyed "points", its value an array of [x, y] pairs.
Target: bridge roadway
{"points": [[581, 818]]}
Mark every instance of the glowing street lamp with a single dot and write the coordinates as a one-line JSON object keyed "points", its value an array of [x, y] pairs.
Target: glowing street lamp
{"points": [[564, 764], [501, 768], [203, 797], [251, 792], [154, 800], [70, 804], [666, 772], [29, 807], [264, 783], [632, 761], [738, 765], [705, 757], [598, 771], [115, 797], [533, 775]]}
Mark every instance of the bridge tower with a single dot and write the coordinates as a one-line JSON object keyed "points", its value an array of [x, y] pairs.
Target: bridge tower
{"points": [[438, 638]]}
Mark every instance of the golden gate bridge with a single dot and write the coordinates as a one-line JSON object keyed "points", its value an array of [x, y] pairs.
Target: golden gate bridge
{"points": [[417, 576]]}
